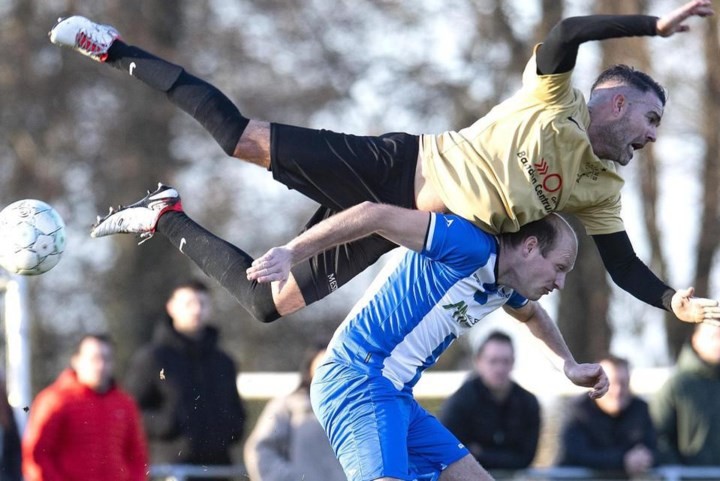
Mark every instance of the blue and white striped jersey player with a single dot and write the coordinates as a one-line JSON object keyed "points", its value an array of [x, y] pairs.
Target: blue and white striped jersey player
{"points": [[451, 276]]}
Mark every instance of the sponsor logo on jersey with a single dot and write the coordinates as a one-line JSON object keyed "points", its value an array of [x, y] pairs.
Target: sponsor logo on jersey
{"points": [[590, 171], [481, 296], [545, 183], [332, 282], [460, 313]]}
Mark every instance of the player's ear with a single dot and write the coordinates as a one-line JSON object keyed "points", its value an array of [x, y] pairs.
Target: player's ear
{"points": [[619, 103], [530, 244]]}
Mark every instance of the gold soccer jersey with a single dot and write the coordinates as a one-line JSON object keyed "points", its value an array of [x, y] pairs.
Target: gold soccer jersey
{"points": [[528, 157]]}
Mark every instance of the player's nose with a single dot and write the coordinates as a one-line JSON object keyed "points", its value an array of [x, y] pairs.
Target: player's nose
{"points": [[651, 134]]}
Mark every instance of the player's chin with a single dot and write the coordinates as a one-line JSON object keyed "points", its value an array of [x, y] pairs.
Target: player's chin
{"points": [[535, 295], [626, 157]]}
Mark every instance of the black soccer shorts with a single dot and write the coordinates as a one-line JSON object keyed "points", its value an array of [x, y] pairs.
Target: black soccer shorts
{"points": [[339, 171]]}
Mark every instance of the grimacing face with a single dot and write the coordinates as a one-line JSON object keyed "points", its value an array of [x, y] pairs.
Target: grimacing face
{"points": [[617, 131], [542, 274]]}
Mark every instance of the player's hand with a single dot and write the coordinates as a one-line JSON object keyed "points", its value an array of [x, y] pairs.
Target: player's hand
{"points": [[588, 375], [273, 266], [673, 22], [695, 309]]}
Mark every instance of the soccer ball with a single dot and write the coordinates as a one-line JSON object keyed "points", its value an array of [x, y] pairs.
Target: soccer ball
{"points": [[32, 237]]}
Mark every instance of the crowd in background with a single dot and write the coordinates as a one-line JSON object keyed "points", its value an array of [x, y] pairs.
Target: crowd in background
{"points": [[179, 404]]}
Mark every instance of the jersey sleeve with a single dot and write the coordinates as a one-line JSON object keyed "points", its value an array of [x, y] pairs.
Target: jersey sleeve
{"points": [[550, 88], [603, 218], [458, 243]]}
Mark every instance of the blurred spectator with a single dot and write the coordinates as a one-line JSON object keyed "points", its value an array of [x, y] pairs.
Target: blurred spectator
{"points": [[186, 386], [288, 442], [686, 410], [10, 463], [612, 433], [83, 427], [496, 419]]}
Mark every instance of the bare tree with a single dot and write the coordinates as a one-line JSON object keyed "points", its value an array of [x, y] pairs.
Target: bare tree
{"points": [[710, 175]]}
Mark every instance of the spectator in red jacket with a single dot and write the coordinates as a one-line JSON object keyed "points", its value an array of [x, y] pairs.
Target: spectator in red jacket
{"points": [[83, 427]]}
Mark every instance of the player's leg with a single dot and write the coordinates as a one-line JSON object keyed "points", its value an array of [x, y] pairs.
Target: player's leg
{"points": [[227, 263], [324, 273], [465, 469], [432, 447], [374, 168], [161, 211], [237, 135], [366, 420], [336, 170]]}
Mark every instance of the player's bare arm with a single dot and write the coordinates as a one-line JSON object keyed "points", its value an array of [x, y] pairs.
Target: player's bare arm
{"points": [[542, 327], [403, 226]]}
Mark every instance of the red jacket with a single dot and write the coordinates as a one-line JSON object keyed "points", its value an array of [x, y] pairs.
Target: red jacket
{"points": [[76, 434]]}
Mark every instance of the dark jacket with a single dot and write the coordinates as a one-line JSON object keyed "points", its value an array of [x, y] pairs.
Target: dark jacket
{"points": [[187, 392], [10, 468], [686, 412], [593, 439], [507, 432]]}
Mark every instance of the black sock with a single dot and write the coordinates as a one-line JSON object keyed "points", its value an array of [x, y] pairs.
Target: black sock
{"points": [[204, 102], [154, 71], [221, 261]]}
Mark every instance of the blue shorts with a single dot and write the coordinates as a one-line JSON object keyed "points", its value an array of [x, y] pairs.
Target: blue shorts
{"points": [[377, 431]]}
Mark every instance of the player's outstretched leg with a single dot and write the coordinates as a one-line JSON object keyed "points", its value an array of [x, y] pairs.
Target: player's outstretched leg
{"points": [[204, 102], [303, 158], [161, 211]]}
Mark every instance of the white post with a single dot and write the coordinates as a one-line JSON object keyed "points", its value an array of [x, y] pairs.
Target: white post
{"points": [[17, 338]]}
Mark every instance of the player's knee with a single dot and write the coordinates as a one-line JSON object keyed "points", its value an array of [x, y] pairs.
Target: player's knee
{"points": [[262, 307], [266, 315]]}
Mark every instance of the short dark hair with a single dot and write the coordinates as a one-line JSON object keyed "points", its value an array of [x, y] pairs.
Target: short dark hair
{"points": [[193, 284], [494, 336], [546, 231], [629, 76], [98, 336]]}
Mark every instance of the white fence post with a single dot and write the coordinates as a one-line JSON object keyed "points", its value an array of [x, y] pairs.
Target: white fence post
{"points": [[17, 345]]}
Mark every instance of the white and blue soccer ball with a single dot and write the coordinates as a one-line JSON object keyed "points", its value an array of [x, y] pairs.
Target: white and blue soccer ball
{"points": [[32, 237]]}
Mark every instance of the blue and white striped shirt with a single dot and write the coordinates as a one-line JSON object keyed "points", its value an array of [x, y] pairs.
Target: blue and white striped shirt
{"points": [[422, 302]]}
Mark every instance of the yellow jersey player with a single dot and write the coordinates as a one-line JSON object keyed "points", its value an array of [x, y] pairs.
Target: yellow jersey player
{"points": [[543, 150]]}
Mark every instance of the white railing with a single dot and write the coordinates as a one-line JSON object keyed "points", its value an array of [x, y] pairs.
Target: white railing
{"points": [[662, 473], [184, 472]]}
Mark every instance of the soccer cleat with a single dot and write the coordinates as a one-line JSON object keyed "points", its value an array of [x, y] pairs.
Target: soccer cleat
{"points": [[84, 36], [141, 217]]}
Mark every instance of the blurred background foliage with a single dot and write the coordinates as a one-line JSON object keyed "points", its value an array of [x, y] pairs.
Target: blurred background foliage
{"points": [[84, 137]]}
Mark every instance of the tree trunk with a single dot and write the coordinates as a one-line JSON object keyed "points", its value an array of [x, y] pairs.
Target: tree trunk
{"points": [[583, 310]]}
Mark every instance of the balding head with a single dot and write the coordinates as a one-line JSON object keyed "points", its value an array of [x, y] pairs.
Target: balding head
{"points": [[535, 260]]}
